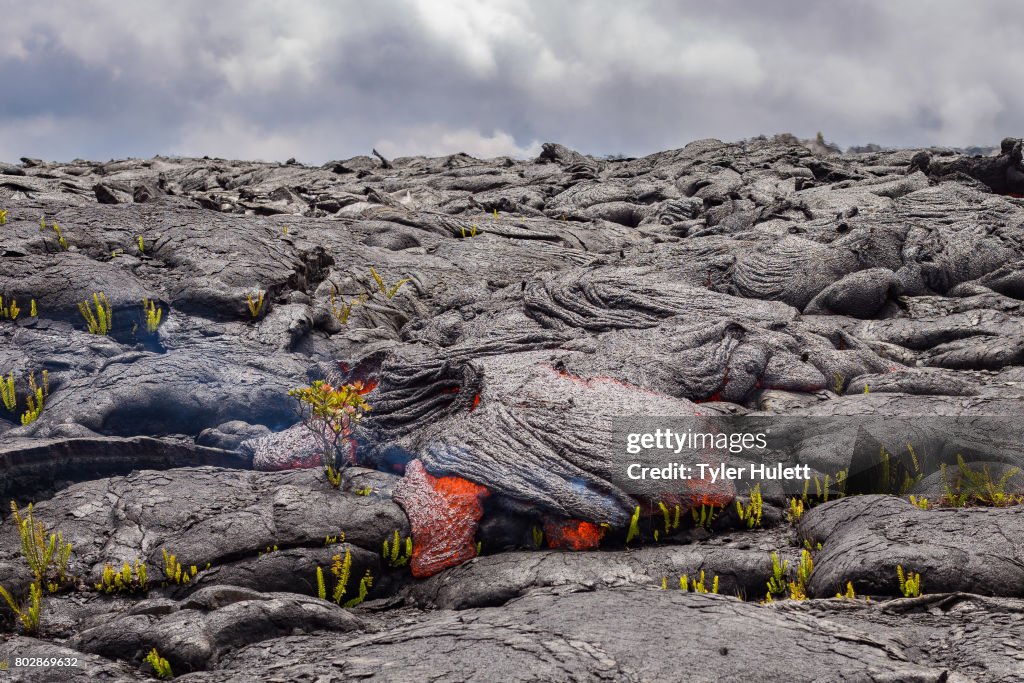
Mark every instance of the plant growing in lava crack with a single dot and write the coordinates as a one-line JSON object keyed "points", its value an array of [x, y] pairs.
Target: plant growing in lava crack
{"points": [[705, 517], [329, 412], [30, 614], [671, 521], [175, 572], [634, 526], [777, 581], [751, 514], [47, 556], [804, 569], [100, 320], [343, 311], [7, 394], [897, 477], [153, 314], [9, 311], [128, 580], [365, 584], [34, 399], [796, 509], [808, 546], [388, 292], [978, 486], [341, 569], [850, 593], [910, 582], [921, 503], [61, 242], [161, 667], [697, 586], [398, 553], [255, 304]]}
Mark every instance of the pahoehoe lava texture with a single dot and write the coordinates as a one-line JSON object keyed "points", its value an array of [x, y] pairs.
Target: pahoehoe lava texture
{"points": [[544, 296]]}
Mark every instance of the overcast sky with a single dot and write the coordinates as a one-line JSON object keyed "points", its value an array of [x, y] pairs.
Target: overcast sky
{"points": [[330, 80]]}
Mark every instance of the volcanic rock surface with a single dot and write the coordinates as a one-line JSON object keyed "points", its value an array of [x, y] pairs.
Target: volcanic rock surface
{"points": [[543, 297]]}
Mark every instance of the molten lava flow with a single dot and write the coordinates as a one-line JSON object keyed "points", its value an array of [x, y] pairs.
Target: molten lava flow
{"points": [[367, 388], [476, 402], [458, 488], [443, 513], [717, 396], [573, 534]]}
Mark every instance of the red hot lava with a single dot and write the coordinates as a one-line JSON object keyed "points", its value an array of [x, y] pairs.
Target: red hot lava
{"points": [[444, 513], [573, 534]]}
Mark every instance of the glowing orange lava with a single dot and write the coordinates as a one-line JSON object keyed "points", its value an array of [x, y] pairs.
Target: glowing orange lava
{"points": [[457, 487], [573, 534], [443, 513]]}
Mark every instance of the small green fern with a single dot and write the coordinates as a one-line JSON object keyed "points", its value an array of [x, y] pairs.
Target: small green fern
{"points": [[153, 315], [177, 573], [9, 310], [705, 517], [697, 585], [388, 292], [128, 580], [751, 515], [161, 667], [10, 399], [910, 582], [30, 614], [100, 320], [850, 594], [634, 526], [393, 552], [255, 305], [364, 587], [777, 581]]}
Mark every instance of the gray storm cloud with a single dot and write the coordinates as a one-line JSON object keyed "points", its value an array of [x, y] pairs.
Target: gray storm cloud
{"points": [[323, 80]]}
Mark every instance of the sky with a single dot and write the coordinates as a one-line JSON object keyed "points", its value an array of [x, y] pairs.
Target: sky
{"points": [[317, 81]]}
